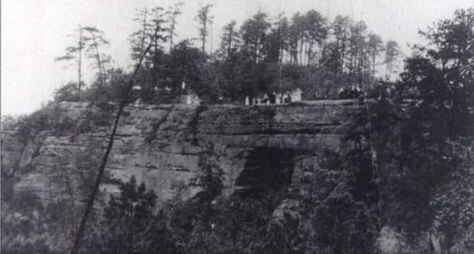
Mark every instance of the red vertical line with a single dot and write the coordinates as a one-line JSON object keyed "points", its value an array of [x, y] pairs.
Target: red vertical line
{"points": [[73, 183], [76, 147], [103, 163]]}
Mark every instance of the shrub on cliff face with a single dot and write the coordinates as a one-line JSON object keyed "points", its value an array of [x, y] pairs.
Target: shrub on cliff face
{"points": [[339, 215], [67, 92], [130, 224], [228, 225], [27, 226], [211, 223], [50, 118], [9, 123], [452, 202]]}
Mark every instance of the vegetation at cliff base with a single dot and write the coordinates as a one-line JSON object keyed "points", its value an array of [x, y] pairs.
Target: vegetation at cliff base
{"points": [[401, 182]]}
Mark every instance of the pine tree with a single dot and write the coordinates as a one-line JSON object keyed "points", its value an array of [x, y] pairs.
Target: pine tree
{"points": [[132, 226], [204, 19]]}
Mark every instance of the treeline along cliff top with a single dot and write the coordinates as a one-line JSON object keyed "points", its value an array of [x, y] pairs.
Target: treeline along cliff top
{"points": [[121, 166], [263, 55]]}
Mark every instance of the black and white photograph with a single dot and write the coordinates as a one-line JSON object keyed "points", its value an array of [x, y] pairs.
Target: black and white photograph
{"points": [[237, 127]]}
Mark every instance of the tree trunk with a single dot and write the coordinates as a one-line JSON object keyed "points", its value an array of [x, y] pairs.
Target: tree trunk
{"points": [[99, 61], [204, 31], [301, 51], [171, 35], [343, 52], [373, 63], [79, 81], [101, 169], [309, 52]]}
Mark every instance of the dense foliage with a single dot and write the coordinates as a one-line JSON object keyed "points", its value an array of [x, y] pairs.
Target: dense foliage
{"points": [[264, 55], [423, 124], [402, 183], [418, 185]]}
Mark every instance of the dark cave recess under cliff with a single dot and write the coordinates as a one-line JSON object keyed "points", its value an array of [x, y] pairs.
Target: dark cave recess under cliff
{"points": [[267, 169]]}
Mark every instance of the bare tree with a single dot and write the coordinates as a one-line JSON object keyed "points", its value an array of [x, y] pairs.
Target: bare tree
{"points": [[230, 38], [101, 168], [282, 31], [95, 40], [151, 32], [74, 53], [340, 28], [392, 52], [157, 38], [172, 14], [203, 19], [296, 40], [139, 39], [375, 47]]}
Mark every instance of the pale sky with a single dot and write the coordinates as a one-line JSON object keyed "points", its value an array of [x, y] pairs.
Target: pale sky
{"points": [[34, 32]]}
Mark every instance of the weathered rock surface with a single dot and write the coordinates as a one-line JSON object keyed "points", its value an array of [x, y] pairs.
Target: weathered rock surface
{"points": [[47, 174], [165, 146]]}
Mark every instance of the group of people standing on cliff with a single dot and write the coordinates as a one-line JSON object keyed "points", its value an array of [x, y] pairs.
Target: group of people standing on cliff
{"points": [[275, 98]]}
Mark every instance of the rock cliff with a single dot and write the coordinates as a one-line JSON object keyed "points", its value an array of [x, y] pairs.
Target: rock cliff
{"points": [[48, 170], [166, 146]]}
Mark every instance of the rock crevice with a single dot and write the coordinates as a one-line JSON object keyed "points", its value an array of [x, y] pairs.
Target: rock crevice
{"points": [[161, 145]]}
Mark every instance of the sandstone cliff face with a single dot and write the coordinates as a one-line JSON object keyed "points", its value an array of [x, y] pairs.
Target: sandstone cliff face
{"points": [[48, 173], [165, 146]]}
